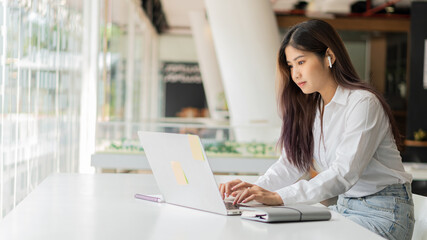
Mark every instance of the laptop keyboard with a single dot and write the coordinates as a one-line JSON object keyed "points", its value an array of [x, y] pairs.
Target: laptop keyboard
{"points": [[231, 206]]}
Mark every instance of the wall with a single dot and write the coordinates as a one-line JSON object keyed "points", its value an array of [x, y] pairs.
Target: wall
{"points": [[180, 49], [177, 48]]}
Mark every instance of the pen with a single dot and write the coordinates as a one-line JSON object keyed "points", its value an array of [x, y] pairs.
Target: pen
{"points": [[149, 198]]}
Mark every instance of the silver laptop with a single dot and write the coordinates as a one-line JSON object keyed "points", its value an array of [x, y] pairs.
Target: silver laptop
{"points": [[182, 172]]}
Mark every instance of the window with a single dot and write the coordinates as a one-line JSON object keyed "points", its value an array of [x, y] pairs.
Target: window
{"points": [[40, 81]]}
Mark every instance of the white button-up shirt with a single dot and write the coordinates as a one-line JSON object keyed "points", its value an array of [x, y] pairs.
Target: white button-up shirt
{"points": [[357, 155]]}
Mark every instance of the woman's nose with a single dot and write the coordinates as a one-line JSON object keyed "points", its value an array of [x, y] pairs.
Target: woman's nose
{"points": [[295, 72]]}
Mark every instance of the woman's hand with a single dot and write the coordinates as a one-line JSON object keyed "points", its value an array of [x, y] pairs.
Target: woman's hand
{"points": [[245, 192], [225, 188]]}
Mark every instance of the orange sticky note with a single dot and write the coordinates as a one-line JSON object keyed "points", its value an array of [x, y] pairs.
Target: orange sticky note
{"points": [[196, 147], [181, 179]]}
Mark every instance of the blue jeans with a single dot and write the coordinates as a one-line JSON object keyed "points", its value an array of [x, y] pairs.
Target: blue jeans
{"points": [[389, 212]]}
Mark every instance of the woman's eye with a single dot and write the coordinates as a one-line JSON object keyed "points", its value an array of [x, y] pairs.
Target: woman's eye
{"points": [[300, 62]]}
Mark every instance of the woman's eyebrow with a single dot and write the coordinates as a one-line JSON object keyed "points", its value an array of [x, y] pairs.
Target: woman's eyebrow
{"points": [[300, 56]]}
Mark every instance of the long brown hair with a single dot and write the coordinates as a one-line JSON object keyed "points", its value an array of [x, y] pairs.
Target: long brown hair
{"points": [[298, 110]]}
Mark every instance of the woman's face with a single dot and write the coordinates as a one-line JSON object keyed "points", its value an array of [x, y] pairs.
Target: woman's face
{"points": [[310, 72]]}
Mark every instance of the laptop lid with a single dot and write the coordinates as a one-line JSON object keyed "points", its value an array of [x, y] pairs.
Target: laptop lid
{"points": [[182, 171]]}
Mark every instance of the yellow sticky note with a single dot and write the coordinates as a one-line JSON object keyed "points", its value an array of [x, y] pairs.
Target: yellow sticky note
{"points": [[196, 147], [181, 179]]}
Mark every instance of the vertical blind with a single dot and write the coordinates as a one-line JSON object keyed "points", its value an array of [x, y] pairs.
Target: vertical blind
{"points": [[40, 81]]}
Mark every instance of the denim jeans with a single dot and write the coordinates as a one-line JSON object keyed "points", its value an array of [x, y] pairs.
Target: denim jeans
{"points": [[389, 212]]}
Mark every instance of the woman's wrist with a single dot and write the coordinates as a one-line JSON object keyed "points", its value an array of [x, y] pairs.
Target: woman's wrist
{"points": [[279, 199]]}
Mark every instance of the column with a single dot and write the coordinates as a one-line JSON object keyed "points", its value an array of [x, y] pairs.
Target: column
{"points": [[209, 69], [246, 40]]}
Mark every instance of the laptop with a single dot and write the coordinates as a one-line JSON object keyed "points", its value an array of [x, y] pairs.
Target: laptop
{"points": [[182, 172]]}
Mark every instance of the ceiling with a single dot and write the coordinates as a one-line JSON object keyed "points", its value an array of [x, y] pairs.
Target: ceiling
{"points": [[176, 11]]}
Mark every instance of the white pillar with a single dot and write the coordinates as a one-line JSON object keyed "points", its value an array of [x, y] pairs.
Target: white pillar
{"points": [[130, 62], [146, 76], [89, 80], [211, 76], [246, 40], [154, 80]]}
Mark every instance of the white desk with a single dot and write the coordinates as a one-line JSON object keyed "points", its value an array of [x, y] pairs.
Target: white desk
{"points": [[102, 206], [418, 170]]}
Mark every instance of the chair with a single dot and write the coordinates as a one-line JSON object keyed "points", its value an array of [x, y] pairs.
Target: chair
{"points": [[420, 209]]}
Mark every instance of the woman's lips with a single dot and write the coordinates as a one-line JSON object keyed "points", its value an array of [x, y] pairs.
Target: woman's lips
{"points": [[301, 84]]}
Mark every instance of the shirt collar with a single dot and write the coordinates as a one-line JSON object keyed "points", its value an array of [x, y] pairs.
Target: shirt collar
{"points": [[341, 95]]}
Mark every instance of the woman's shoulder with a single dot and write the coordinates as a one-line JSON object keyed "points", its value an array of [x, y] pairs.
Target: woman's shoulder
{"points": [[359, 95]]}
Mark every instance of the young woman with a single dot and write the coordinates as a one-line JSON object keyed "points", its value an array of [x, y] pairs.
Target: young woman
{"points": [[333, 118]]}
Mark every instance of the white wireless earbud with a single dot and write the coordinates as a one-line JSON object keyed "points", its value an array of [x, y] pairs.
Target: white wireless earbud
{"points": [[330, 62]]}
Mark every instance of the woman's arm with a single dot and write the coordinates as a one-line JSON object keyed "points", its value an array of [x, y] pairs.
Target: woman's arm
{"points": [[281, 173]]}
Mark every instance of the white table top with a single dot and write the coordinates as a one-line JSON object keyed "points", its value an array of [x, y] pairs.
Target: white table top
{"points": [[102, 206], [418, 170]]}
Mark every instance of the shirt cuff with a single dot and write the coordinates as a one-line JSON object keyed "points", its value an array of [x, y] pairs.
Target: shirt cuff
{"points": [[262, 182], [288, 195]]}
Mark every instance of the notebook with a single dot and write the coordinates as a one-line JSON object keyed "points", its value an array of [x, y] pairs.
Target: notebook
{"points": [[291, 213], [182, 172]]}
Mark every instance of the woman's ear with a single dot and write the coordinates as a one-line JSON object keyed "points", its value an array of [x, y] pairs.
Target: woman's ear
{"points": [[330, 57]]}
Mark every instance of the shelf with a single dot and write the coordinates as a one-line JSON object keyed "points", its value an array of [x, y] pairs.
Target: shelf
{"points": [[218, 164], [353, 23], [399, 113], [413, 143]]}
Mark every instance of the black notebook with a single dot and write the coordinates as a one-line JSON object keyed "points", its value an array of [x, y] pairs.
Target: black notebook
{"points": [[291, 213]]}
